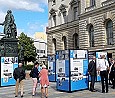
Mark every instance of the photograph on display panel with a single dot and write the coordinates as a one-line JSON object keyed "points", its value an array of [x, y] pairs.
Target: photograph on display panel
{"points": [[77, 64], [79, 54], [77, 70], [98, 56], [51, 64]]}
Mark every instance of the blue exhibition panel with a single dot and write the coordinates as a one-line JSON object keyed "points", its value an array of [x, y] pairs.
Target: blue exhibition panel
{"points": [[72, 67], [79, 85], [62, 66], [79, 78], [52, 68], [8, 64], [63, 84]]}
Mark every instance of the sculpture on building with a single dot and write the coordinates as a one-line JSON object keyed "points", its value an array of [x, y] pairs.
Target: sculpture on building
{"points": [[9, 25]]}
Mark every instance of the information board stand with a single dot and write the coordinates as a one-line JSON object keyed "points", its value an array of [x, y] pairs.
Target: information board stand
{"points": [[72, 67], [52, 68], [7, 66]]}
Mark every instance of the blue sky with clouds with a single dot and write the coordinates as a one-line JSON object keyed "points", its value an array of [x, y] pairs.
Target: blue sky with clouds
{"points": [[30, 15]]}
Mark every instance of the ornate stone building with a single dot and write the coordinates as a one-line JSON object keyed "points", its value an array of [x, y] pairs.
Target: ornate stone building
{"points": [[84, 24]]}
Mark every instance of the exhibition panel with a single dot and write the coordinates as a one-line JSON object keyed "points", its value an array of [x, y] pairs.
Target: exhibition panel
{"points": [[52, 68], [8, 64], [78, 69], [72, 66], [62, 69]]}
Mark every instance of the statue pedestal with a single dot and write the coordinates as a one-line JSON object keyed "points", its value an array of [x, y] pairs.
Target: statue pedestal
{"points": [[10, 46]]}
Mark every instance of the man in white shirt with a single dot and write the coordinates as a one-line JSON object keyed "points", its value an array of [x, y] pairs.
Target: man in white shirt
{"points": [[102, 67]]}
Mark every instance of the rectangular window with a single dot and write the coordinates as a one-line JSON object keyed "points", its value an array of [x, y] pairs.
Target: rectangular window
{"points": [[54, 20], [92, 2], [64, 17], [37, 51], [75, 13], [110, 36]]}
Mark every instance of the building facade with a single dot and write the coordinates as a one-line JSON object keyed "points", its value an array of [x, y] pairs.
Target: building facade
{"points": [[81, 24], [40, 43]]}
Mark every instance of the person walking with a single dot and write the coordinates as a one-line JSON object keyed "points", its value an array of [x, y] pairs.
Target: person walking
{"points": [[92, 73], [35, 77], [102, 67], [44, 81], [19, 75]]}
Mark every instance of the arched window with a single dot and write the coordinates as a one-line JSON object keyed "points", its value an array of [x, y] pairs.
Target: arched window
{"points": [[64, 42], [109, 31], [54, 45], [76, 41], [91, 36]]}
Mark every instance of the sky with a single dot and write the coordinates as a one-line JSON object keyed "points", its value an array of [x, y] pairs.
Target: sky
{"points": [[30, 15]]}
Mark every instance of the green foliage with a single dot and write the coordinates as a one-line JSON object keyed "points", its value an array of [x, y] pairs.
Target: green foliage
{"points": [[29, 48], [28, 67]]}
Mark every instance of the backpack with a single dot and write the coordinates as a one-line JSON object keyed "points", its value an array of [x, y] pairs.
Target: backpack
{"points": [[31, 73]]}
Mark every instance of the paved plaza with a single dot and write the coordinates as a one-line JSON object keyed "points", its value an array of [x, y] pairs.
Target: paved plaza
{"points": [[8, 92]]}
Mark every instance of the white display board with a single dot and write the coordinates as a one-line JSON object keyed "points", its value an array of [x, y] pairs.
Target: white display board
{"points": [[8, 64]]}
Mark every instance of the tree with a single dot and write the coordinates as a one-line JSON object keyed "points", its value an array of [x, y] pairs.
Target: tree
{"points": [[29, 50]]}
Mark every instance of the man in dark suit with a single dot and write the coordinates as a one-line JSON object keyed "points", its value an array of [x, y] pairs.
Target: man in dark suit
{"points": [[92, 73]]}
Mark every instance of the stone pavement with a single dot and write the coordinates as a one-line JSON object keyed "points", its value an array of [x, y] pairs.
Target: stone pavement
{"points": [[8, 92]]}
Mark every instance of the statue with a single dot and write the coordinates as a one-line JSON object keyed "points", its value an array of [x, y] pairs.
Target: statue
{"points": [[9, 25]]}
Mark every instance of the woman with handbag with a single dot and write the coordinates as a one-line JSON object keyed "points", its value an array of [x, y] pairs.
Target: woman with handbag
{"points": [[35, 77]]}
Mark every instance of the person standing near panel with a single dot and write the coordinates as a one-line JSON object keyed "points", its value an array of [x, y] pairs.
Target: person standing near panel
{"points": [[102, 67], [92, 73], [113, 75], [19, 76]]}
